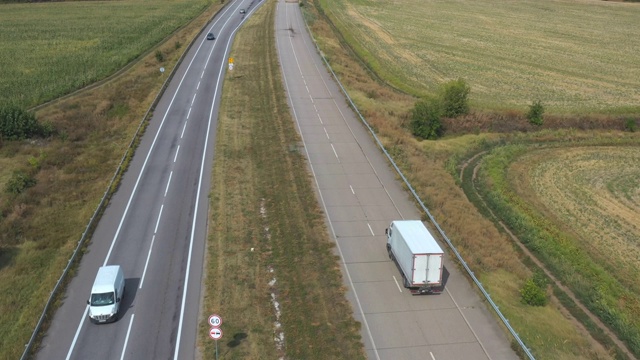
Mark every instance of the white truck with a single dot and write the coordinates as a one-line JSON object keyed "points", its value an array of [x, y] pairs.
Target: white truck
{"points": [[417, 255], [106, 294]]}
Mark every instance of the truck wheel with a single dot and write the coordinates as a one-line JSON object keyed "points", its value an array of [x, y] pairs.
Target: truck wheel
{"points": [[405, 282]]}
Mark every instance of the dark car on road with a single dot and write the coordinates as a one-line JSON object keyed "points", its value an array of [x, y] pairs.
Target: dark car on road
{"points": [[210, 36]]}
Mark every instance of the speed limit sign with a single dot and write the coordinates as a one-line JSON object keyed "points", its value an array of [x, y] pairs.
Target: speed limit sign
{"points": [[215, 320]]}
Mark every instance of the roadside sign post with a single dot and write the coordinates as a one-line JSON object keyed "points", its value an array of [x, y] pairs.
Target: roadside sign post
{"points": [[215, 333]]}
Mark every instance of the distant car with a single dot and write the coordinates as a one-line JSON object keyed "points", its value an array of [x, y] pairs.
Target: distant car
{"points": [[242, 11], [210, 36]]}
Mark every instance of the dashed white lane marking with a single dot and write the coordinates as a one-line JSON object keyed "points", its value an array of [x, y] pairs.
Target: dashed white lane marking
{"points": [[144, 272], [168, 182], [432, 357], [155, 231], [198, 86], [320, 118], [396, 281], [352, 191], [326, 133], [185, 127], [202, 75], [126, 339], [370, 229], [177, 151], [335, 153], [194, 98]]}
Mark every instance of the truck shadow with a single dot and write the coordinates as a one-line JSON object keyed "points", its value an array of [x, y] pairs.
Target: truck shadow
{"points": [[445, 277], [130, 291]]}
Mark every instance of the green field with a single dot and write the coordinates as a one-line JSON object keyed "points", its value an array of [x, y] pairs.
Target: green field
{"points": [[574, 56], [577, 207], [52, 48], [40, 227]]}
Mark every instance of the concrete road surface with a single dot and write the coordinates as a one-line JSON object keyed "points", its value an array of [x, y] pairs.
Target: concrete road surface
{"points": [[361, 196]]}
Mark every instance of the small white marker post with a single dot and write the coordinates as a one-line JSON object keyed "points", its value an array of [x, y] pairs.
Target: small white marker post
{"points": [[215, 333]]}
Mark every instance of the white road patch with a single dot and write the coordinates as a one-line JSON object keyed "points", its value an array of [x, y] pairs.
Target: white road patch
{"points": [[278, 332]]}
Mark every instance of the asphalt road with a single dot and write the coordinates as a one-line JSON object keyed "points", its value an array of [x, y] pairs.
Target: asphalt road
{"points": [[155, 225], [360, 195]]}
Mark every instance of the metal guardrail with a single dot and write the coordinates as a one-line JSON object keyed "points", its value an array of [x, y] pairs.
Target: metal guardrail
{"points": [[424, 207], [103, 202]]}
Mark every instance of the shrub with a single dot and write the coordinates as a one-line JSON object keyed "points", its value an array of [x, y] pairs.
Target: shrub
{"points": [[454, 96], [16, 124], [536, 112], [426, 119], [630, 125], [159, 56], [19, 182], [533, 294]]}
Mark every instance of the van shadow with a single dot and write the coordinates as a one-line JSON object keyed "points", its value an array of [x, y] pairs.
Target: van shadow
{"points": [[130, 291]]}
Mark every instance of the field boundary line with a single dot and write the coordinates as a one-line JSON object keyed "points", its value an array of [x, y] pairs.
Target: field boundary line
{"points": [[113, 184], [515, 335]]}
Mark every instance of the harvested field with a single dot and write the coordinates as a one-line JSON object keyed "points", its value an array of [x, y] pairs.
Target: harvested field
{"points": [[574, 56]]}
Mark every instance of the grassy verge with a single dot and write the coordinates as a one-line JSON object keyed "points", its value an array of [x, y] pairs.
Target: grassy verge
{"points": [[432, 168], [64, 46], [40, 227], [271, 270]]}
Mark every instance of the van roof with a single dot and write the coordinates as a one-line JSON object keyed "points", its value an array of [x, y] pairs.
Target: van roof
{"points": [[105, 279]]}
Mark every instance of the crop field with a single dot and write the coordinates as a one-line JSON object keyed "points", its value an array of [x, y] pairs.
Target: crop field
{"points": [[576, 56], [52, 48], [576, 206], [595, 193]]}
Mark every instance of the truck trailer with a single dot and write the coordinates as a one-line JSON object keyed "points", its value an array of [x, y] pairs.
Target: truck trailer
{"points": [[417, 255]]}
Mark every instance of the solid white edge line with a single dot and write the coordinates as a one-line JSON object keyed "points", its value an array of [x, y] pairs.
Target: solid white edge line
{"points": [[126, 339], [166, 190], [195, 215], [75, 338], [144, 272], [155, 231], [324, 205]]}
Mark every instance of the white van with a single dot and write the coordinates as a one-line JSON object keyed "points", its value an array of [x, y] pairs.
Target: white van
{"points": [[106, 294]]}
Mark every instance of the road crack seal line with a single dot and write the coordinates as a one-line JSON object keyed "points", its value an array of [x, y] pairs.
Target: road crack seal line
{"points": [[278, 331]]}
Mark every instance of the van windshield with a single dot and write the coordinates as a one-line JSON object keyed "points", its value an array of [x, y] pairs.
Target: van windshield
{"points": [[102, 299]]}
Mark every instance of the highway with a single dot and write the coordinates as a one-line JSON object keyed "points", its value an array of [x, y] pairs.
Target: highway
{"points": [[155, 224], [360, 195]]}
